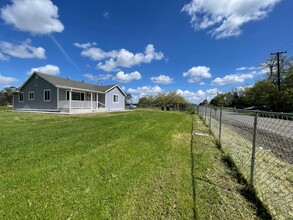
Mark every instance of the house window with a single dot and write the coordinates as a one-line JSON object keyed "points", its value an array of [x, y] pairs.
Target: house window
{"points": [[31, 95], [20, 96], [115, 98], [76, 96], [47, 95]]}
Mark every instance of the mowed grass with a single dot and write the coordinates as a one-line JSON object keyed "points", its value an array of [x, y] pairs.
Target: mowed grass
{"points": [[131, 165], [122, 165]]}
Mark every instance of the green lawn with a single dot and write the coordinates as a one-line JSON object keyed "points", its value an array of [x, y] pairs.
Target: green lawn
{"points": [[132, 165]]}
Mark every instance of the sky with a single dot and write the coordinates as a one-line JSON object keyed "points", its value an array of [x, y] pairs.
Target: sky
{"points": [[196, 48]]}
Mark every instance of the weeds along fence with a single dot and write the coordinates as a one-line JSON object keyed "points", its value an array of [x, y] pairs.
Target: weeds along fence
{"points": [[261, 146]]}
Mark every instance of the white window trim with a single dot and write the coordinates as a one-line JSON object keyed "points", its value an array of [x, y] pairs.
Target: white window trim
{"points": [[29, 95], [21, 93], [44, 95], [117, 98], [75, 92]]}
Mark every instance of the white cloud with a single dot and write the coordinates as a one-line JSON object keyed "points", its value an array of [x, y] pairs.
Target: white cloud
{"points": [[198, 96], [113, 60], [127, 77], [7, 80], [48, 69], [146, 90], [196, 73], [97, 78], [202, 83], [224, 18], [36, 17], [85, 45], [22, 50], [233, 78], [3, 57], [242, 88], [162, 79], [244, 68]]}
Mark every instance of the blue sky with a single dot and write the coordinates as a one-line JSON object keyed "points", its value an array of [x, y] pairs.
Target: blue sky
{"points": [[197, 48]]}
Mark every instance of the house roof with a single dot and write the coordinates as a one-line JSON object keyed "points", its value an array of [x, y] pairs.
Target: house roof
{"points": [[73, 84], [63, 82]]}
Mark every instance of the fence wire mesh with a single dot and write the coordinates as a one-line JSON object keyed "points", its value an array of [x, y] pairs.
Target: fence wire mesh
{"points": [[261, 146]]}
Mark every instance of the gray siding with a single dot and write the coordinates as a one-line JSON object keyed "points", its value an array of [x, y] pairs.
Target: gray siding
{"points": [[62, 94], [121, 100], [37, 85]]}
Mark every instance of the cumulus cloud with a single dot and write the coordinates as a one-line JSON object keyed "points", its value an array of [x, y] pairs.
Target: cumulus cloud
{"points": [[114, 59], [36, 17], [7, 80], [97, 78], [198, 96], [127, 77], [48, 69], [23, 50], [146, 90], [162, 79], [224, 18], [196, 73], [232, 78]]}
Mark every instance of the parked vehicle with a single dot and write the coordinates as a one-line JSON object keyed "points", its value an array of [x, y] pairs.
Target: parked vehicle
{"points": [[260, 108]]}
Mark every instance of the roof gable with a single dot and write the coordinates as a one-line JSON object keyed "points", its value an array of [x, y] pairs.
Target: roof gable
{"points": [[118, 87], [59, 82]]}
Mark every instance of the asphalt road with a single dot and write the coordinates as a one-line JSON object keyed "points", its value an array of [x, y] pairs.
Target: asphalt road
{"points": [[272, 125], [273, 134]]}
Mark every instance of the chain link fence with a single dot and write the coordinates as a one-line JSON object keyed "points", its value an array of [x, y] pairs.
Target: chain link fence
{"points": [[261, 146]]}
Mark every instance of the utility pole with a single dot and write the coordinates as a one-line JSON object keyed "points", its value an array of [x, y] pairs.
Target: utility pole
{"points": [[278, 66]]}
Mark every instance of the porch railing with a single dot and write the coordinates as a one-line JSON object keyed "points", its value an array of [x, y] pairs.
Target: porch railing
{"points": [[79, 104]]}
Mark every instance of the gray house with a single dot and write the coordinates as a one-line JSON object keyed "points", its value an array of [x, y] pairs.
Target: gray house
{"points": [[43, 92]]}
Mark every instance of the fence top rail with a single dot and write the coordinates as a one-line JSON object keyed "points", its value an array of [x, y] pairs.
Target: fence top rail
{"points": [[281, 114]]}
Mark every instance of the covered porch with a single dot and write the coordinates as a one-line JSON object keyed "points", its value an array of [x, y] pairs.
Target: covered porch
{"points": [[71, 100]]}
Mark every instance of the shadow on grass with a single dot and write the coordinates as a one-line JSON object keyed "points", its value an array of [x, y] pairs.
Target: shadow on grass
{"points": [[246, 191], [192, 169]]}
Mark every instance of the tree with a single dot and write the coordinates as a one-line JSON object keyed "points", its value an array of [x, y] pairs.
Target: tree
{"points": [[271, 67], [6, 95], [263, 92], [128, 98], [171, 98], [144, 101]]}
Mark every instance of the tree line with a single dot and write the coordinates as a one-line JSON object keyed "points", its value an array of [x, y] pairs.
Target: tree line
{"points": [[6, 96], [274, 93], [171, 99]]}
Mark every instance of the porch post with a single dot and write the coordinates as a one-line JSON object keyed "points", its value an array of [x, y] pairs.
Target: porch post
{"points": [[91, 101], [57, 99], [97, 100], [70, 98]]}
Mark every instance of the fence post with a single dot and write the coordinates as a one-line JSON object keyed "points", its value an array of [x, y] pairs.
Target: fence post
{"points": [[197, 109], [210, 122], [253, 150], [220, 125], [205, 114]]}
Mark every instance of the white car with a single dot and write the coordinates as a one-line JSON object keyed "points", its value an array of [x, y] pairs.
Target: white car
{"points": [[132, 106]]}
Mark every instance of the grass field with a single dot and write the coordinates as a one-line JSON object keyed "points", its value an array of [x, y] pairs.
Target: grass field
{"points": [[273, 178], [132, 165]]}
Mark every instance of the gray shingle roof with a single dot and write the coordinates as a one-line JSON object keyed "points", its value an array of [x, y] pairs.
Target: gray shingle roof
{"points": [[63, 82]]}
